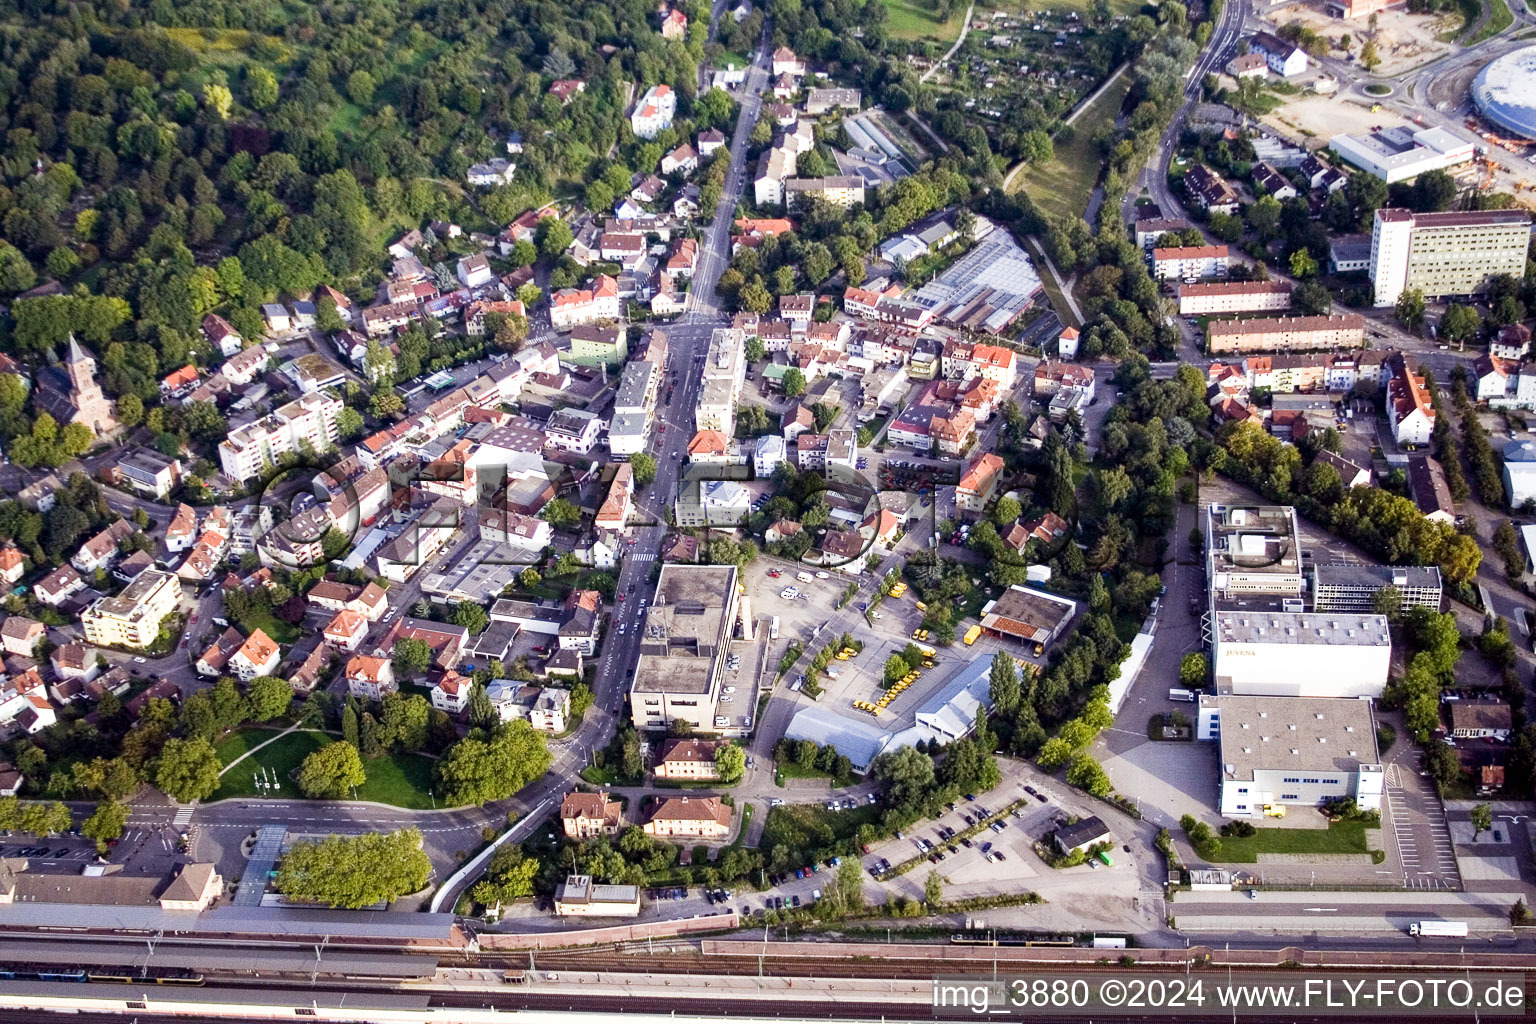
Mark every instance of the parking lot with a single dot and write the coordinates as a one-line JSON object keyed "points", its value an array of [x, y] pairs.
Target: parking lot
{"points": [[995, 861]]}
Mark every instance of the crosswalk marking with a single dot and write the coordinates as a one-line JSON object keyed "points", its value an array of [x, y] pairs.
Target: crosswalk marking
{"points": [[183, 817]]}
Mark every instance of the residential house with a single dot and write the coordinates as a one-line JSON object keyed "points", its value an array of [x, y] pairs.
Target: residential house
{"points": [[58, 586], [682, 160], [1428, 487], [695, 818], [19, 635], [1210, 190], [212, 661], [493, 172], [584, 815], [74, 661], [654, 111], [13, 565], [451, 693], [102, 549], [689, 759], [224, 338], [346, 631], [978, 483], [370, 678], [1479, 720], [674, 24], [257, 656]]}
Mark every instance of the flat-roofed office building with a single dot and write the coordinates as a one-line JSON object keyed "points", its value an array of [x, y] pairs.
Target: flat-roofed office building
{"points": [[685, 635]]}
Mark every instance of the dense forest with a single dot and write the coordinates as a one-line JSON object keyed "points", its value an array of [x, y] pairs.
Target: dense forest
{"points": [[167, 160]]}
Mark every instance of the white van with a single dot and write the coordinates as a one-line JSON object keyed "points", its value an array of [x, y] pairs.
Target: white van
{"points": [[1188, 696], [804, 577]]}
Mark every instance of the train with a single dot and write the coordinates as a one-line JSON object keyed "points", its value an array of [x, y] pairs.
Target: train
{"points": [[963, 939], [119, 976]]}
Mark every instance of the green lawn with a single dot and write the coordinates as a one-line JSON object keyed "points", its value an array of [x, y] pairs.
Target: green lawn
{"points": [[1057, 298], [1340, 837], [1061, 186], [281, 759], [1499, 19], [910, 19], [403, 780], [274, 627], [790, 770]]}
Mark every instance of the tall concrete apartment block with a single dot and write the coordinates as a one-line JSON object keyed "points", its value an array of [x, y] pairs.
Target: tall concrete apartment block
{"points": [[1445, 254]]}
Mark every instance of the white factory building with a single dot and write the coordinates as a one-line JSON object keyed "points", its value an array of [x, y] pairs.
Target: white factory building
{"points": [[1300, 654], [1281, 752], [1397, 154], [1262, 639]]}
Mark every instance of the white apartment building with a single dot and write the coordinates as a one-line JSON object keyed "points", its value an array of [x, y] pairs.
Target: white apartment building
{"points": [[1189, 261], [1445, 254], [312, 418], [572, 306], [724, 373], [654, 112], [132, 618], [1234, 297]]}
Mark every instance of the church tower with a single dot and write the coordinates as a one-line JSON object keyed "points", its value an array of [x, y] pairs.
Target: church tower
{"points": [[93, 408]]}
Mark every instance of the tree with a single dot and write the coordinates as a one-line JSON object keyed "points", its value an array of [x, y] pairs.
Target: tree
{"points": [[482, 713], [360, 87], [510, 876], [385, 403], [1087, 774], [349, 424], [1004, 683], [1460, 323], [731, 764], [643, 465], [1434, 191], [477, 771], [405, 721], [188, 770], [582, 698], [1302, 264], [554, 236], [331, 772], [794, 382], [471, 616], [1388, 601], [1410, 307], [1482, 820], [268, 698], [350, 729], [1193, 670], [933, 889], [105, 824], [1369, 57], [1312, 298], [1520, 914], [561, 514], [353, 872], [411, 657], [261, 87]]}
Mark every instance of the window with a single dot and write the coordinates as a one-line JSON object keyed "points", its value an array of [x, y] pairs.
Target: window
{"points": [[1289, 796], [1242, 807], [1242, 789], [1293, 778]]}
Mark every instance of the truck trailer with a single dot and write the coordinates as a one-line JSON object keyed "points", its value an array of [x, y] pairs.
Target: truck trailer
{"points": [[1439, 929]]}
